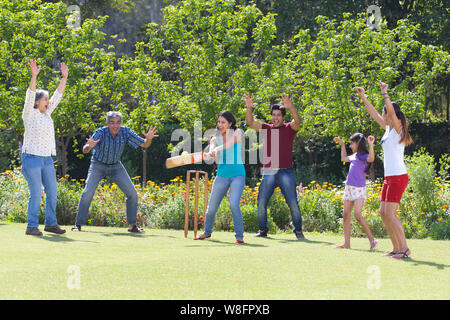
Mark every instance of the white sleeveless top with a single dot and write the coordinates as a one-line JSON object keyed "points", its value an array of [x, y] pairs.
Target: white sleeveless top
{"points": [[393, 151]]}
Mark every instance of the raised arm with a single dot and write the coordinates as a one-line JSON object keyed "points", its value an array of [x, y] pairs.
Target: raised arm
{"points": [[35, 69], [249, 120], [344, 157], [31, 92], [151, 133], [65, 75], [57, 96], [390, 108], [370, 108], [90, 143], [295, 123], [370, 141]]}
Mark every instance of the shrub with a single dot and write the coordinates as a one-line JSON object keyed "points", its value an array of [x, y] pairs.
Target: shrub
{"points": [[279, 210], [428, 194], [168, 216], [69, 194], [250, 219], [321, 207], [440, 230]]}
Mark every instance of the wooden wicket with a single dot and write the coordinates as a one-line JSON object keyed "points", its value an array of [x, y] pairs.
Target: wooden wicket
{"points": [[186, 216]]}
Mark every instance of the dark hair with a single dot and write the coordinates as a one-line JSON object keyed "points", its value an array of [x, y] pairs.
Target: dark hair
{"points": [[229, 117], [405, 136], [362, 147], [278, 106]]}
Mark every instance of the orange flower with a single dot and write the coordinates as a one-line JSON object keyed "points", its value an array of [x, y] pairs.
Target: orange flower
{"points": [[200, 218], [12, 202]]}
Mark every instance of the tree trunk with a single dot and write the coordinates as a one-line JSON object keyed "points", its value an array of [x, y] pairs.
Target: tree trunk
{"points": [[63, 144], [144, 167]]}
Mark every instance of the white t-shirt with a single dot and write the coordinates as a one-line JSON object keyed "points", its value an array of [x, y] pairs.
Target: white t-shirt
{"points": [[39, 137], [393, 150]]}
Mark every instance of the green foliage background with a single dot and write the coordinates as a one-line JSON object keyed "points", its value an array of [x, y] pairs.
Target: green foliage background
{"points": [[195, 58]]}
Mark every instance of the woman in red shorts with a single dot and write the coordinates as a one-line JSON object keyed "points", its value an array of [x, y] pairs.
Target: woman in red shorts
{"points": [[393, 143]]}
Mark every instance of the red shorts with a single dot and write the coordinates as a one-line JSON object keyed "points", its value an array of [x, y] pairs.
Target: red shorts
{"points": [[393, 188]]}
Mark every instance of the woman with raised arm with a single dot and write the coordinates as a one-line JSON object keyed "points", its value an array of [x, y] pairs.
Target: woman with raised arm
{"points": [[38, 148], [394, 140]]}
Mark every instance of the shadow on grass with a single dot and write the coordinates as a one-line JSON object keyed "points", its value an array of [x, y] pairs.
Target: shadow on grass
{"points": [[62, 238], [299, 241], [223, 243], [129, 234], [425, 263], [441, 266]]}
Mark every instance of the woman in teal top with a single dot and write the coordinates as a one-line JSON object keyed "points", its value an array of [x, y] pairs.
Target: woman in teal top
{"points": [[230, 174]]}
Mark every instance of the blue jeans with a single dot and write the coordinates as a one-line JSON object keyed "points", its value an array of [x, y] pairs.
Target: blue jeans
{"points": [[40, 171], [219, 189], [283, 178], [97, 171]]}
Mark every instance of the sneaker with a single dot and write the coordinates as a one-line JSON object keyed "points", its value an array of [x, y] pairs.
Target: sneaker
{"points": [[33, 232], [239, 241], [300, 235], [55, 229], [261, 234], [76, 228]]}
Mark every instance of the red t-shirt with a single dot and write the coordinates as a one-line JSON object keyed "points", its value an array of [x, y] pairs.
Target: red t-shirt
{"points": [[283, 138]]}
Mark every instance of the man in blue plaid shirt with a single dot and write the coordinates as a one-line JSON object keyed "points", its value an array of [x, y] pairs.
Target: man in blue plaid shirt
{"points": [[107, 145]]}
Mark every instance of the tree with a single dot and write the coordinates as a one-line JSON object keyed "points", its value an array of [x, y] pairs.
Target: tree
{"points": [[325, 72], [211, 50], [39, 30]]}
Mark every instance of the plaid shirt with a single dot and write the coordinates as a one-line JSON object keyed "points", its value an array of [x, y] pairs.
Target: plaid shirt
{"points": [[109, 150]]}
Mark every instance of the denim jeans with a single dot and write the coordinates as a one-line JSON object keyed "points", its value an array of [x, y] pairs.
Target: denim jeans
{"points": [[219, 189], [97, 171], [40, 171], [283, 178]]}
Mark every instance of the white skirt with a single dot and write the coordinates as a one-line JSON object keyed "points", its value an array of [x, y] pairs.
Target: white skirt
{"points": [[352, 193]]}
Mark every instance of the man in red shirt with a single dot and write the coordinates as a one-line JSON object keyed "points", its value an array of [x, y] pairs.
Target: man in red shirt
{"points": [[277, 164]]}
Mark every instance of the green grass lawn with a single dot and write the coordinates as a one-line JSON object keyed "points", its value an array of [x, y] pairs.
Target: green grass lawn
{"points": [[162, 264]]}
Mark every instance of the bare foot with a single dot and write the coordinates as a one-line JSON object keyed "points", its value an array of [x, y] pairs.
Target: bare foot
{"points": [[373, 243]]}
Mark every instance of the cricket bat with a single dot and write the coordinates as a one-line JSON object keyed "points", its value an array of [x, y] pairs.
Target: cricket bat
{"points": [[184, 159]]}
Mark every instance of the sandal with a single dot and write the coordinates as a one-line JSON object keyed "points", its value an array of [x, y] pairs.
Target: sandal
{"points": [[401, 254], [390, 254], [203, 236], [136, 229]]}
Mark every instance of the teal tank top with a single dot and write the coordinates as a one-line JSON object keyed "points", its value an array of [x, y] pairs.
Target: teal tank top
{"points": [[230, 161]]}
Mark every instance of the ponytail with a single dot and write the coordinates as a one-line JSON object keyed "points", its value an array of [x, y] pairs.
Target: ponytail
{"points": [[405, 136]]}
